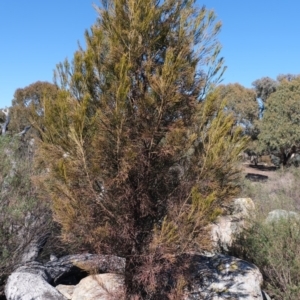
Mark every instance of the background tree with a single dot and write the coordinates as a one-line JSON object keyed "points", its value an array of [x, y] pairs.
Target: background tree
{"points": [[139, 162], [264, 87], [27, 105], [243, 104], [280, 130], [287, 77]]}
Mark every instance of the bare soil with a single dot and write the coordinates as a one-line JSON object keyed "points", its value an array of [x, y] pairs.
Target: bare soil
{"points": [[258, 172]]}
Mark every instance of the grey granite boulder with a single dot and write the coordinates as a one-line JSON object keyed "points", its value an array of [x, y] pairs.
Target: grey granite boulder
{"points": [[222, 277], [281, 214], [226, 228], [100, 287], [28, 286], [34, 280]]}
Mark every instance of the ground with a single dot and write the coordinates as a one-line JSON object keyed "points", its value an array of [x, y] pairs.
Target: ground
{"points": [[258, 172]]}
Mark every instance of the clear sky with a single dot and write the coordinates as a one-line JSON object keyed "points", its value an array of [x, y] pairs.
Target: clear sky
{"points": [[259, 38]]}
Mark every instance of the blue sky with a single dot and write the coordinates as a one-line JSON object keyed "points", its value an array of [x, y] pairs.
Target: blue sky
{"points": [[259, 38]]}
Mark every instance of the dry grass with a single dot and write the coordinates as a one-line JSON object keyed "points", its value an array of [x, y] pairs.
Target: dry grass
{"points": [[280, 191], [275, 247]]}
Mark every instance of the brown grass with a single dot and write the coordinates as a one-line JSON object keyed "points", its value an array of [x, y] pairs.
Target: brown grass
{"points": [[281, 190]]}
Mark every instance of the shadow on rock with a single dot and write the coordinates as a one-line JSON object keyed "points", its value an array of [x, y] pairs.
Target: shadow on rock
{"points": [[221, 277]]}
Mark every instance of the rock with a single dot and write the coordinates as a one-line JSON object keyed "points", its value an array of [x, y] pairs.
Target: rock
{"points": [[27, 286], [212, 278], [66, 290], [64, 269], [226, 228], [278, 214], [242, 207], [53, 257], [222, 277], [100, 287], [32, 280]]}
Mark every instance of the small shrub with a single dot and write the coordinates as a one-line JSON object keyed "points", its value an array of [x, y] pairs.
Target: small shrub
{"points": [[275, 249], [23, 217]]}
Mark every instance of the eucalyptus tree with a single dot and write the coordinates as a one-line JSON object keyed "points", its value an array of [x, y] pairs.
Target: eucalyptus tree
{"points": [[280, 126], [242, 103], [27, 105], [264, 87]]}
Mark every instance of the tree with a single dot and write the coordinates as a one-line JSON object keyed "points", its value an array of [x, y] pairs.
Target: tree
{"points": [[264, 87], [27, 105], [141, 156], [287, 77], [243, 104], [280, 130], [4, 120]]}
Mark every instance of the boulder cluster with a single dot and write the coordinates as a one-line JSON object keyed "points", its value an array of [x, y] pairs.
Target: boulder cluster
{"points": [[212, 275]]}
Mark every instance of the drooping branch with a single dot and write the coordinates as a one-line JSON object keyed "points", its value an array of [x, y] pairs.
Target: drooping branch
{"points": [[23, 132]]}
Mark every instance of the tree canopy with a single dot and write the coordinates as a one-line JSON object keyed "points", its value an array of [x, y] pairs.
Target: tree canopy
{"points": [[140, 154], [264, 87], [280, 130], [243, 104], [27, 105]]}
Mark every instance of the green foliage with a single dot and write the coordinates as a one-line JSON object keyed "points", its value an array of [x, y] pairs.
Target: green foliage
{"points": [[279, 130], [27, 105], [20, 210], [212, 159], [138, 160], [2, 117], [264, 87], [275, 249], [243, 104]]}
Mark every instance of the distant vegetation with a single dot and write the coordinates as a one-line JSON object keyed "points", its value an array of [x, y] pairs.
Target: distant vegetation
{"points": [[269, 114]]}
